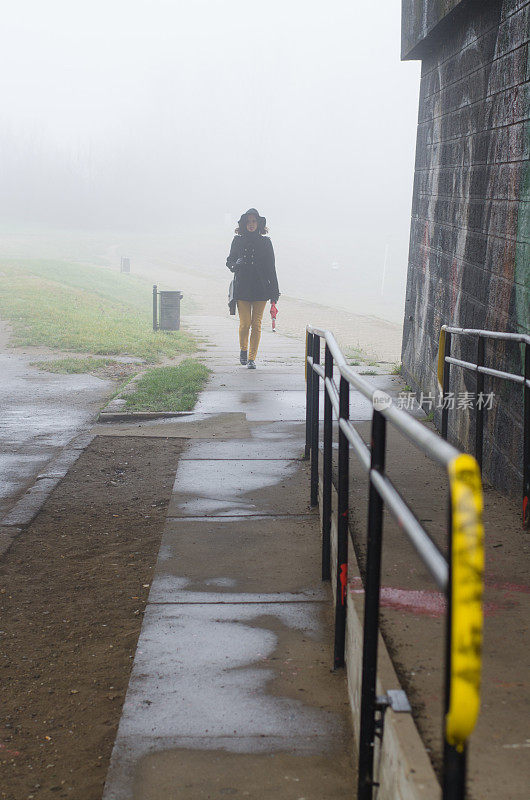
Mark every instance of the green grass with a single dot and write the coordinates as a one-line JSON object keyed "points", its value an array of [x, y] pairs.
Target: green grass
{"points": [[84, 309], [73, 366], [168, 388], [396, 370], [354, 352], [368, 372], [357, 357]]}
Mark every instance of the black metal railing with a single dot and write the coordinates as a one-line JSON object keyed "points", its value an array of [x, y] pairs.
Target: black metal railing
{"points": [[460, 577], [444, 365]]}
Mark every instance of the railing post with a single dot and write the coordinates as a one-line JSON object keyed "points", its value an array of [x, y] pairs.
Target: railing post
{"points": [[341, 601], [445, 387], [372, 589], [309, 396], [315, 386], [326, 470], [479, 405], [454, 766], [526, 439], [155, 307]]}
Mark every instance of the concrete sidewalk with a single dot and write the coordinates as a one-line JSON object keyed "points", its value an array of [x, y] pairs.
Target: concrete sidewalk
{"points": [[231, 692]]}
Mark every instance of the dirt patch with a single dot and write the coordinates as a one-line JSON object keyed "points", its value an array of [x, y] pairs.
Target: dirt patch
{"points": [[73, 589]]}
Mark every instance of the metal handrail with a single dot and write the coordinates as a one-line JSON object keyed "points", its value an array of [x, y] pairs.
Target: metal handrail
{"points": [[522, 338], [445, 360], [460, 576], [496, 373]]}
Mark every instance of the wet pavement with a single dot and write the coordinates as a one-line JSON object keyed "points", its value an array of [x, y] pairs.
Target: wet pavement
{"points": [[231, 691], [41, 413], [239, 486]]}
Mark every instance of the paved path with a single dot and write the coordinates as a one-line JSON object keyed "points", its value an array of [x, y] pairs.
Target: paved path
{"points": [[231, 692], [41, 413]]}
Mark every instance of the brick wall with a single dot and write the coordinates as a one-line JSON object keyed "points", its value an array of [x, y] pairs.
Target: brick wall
{"points": [[469, 258]]}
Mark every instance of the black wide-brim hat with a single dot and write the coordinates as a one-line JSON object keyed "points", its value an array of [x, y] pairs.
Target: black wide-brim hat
{"points": [[262, 222]]}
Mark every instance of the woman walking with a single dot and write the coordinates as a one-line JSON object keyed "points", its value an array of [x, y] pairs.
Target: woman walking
{"points": [[251, 259]]}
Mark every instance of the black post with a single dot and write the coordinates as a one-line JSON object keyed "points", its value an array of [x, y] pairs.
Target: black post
{"points": [[315, 386], [342, 529], [445, 388], [526, 439], [454, 766], [155, 307], [308, 396], [454, 777], [326, 469], [479, 404], [371, 613]]}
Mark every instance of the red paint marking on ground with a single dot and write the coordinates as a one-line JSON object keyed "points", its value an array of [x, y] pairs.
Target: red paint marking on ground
{"points": [[430, 604], [511, 685], [416, 601], [502, 586], [9, 752]]}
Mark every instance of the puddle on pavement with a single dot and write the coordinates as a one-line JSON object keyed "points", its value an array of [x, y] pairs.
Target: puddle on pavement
{"points": [[210, 674], [231, 487]]}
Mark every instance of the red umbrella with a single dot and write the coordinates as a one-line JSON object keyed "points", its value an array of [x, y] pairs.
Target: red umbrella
{"points": [[274, 313]]}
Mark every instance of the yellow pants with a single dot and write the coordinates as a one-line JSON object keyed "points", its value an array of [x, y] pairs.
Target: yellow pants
{"points": [[250, 315]]}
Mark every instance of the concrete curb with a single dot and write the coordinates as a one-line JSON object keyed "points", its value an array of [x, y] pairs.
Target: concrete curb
{"points": [[117, 416], [28, 506], [7, 537], [403, 768]]}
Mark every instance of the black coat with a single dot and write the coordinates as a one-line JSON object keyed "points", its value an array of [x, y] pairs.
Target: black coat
{"points": [[255, 274]]}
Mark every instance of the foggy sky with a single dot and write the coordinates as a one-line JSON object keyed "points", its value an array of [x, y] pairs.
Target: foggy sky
{"points": [[177, 116]]}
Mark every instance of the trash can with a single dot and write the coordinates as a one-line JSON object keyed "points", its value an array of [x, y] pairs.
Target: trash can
{"points": [[169, 317]]}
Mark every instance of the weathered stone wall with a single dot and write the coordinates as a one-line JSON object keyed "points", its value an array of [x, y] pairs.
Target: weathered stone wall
{"points": [[419, 19], [469, 259]]}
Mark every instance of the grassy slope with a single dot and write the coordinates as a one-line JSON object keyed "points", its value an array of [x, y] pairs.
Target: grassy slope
{"points": [[82, 308]]}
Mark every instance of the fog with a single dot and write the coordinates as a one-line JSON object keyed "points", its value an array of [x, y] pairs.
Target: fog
{"points": [[172, 117]]}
